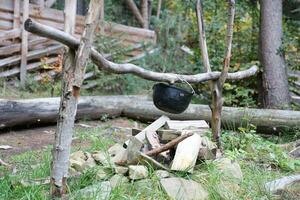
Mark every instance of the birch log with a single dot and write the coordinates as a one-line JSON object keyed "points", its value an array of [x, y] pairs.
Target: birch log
{"points": [[45, 110]]}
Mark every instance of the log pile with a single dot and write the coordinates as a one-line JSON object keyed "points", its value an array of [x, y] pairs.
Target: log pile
{"points": [[11, 23]]}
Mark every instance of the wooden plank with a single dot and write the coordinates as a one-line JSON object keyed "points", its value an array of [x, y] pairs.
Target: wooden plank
{"points": [[186, 154], [24, 45], [8, 50], [10, 34], [29, 67], [16, 20], [13, 60], [152, 127], [187, 124]]}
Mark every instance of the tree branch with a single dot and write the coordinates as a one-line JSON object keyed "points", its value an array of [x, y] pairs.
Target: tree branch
{"points": [[127, 68], [231, 10]]}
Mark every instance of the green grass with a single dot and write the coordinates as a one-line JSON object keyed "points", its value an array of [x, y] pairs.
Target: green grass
{"points": [[34, 165]]}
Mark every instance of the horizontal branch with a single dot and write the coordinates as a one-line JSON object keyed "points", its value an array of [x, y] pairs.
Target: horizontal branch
{"points": [[127, 68]]}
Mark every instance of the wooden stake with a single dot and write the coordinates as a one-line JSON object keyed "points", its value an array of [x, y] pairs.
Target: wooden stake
{"points": [[24, 48]]}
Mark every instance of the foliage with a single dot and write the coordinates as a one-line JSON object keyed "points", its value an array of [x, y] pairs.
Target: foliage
{"points": [[246, 144]]}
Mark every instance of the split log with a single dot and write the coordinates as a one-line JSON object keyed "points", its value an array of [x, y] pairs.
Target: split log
{"points": [[104, 64], [45, 110], [186, 124], [186, 154], [152, 127], [169, 145]]}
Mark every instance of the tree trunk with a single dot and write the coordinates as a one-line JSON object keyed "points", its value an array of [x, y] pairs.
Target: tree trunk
{"points": [[275, 83], [45, 110]]}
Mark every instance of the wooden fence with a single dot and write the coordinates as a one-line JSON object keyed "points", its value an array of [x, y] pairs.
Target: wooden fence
{"points": [[18, 47]]}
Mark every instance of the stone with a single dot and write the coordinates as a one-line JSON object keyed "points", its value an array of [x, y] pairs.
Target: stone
{"points": [[101, 157], [98, 191], [144, 186], [89, 163], [102, 174], [295, 153], [182, 189], [78, 155], [162, 174], [78, 165], [227, 189], [137, 172], [117, 180], [116, 148], [206, 142], [229, 169], [121, 170]]}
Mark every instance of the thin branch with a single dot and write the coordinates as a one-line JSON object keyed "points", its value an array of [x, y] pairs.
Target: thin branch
{"points": [[158, 8], [169, 145], [231, 10], [202, 38], [127, 68]]}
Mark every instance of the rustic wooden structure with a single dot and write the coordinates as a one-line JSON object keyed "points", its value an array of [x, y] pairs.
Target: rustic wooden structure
{"points": [[20, 48]]}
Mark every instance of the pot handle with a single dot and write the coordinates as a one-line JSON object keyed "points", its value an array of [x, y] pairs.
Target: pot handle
{"points": [[183, 80]]}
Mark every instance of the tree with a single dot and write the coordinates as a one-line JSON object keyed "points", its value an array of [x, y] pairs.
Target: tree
{"points": [[275, 92]]}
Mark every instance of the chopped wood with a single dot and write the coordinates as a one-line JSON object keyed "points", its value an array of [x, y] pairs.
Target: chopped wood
{"points": [[153, 139], [133, 149], [186, 154], [152, 127], [169, 145], [186, 124]]}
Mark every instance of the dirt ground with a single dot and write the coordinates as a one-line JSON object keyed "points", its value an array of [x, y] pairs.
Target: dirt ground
{"points": [[37, 138]]}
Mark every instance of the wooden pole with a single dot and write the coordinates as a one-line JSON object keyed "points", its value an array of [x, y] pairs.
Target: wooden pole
{"points": [[144, 11], [74, 69], [24, 46], [67, 110]]}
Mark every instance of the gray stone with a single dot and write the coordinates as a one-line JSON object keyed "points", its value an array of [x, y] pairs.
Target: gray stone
{"points": [[182, 189], [98, 191], [113, 150], [137, 172], [229, 169], [162, 173], [121, 170], [102, 174], [78, 165], [101, 157], [78, 155], [118, 179]]}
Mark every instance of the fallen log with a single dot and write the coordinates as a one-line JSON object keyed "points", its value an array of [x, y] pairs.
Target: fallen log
{"points": [[44, 110]]}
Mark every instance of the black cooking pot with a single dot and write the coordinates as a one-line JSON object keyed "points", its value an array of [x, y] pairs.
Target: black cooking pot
{"points": [[170, 98]]}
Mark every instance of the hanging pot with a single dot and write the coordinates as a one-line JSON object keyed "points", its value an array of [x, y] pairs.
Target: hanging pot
{"points": [[170, 98]]}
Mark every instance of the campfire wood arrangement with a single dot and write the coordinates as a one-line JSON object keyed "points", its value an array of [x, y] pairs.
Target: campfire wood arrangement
{"points": [[74, 68], [171, 145]]}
